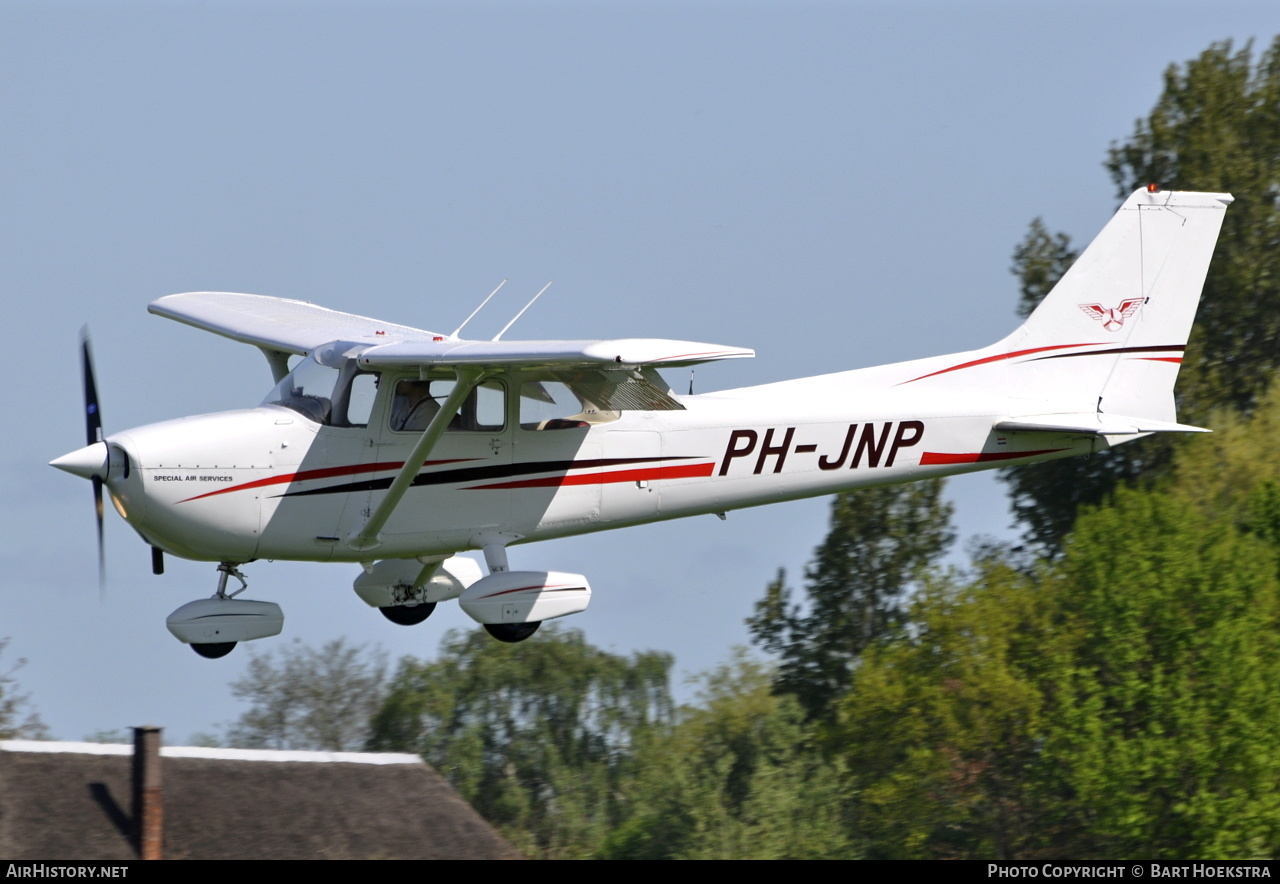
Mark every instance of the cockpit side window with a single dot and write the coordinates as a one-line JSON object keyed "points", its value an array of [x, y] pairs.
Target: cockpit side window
{"points": [[353, 397], [364, 390], [308, 390], [416, 402], [336, 396]]}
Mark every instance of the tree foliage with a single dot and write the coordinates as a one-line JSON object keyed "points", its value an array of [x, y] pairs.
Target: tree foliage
{"points": [[309, 698], [881, 541], [1118, 701], [739, 776], [18, 719], [1165, 740], [537, 736], [941, 727], [1039, 261], [1215, 127]]}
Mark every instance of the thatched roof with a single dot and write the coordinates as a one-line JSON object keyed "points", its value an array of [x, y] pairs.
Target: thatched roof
{"points": [[73, 801]]}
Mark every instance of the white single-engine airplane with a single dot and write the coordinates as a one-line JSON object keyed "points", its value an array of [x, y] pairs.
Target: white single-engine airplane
{"points": [[398, 448]]}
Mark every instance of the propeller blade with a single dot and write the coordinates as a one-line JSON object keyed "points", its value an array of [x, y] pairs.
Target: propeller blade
{"points": [[92, 416], [93, 433], [102, 556]]}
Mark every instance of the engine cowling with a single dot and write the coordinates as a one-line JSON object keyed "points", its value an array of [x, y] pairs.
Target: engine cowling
{"points": [[525, 596]]}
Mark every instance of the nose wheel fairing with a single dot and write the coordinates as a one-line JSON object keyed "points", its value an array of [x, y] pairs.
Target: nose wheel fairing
{"points": [[214, 626]]}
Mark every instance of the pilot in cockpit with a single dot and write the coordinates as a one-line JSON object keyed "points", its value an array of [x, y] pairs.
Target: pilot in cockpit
{"points": [[413, 406]]}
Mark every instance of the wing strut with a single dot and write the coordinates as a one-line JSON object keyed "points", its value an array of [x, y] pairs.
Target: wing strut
{"points": [[367, 537]]}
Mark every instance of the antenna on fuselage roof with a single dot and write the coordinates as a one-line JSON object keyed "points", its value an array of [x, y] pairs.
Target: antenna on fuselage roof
{"points": [[477, 310], [521, 313]]}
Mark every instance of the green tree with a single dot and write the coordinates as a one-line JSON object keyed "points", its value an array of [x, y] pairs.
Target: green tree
{"points": [[309, 698], [1165, 742], [1215, 127], [537, 736], [739, 776], [881, 541], [941, 730], [1119, 702], [18, 720], [1039, 261]]}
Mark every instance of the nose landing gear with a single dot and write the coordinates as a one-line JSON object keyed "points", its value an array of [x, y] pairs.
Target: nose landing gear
{"points": [[214, 626], [213, 650]]}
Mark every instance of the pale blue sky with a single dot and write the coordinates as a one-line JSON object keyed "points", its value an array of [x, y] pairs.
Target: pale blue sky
{"points": [[833, 184]]}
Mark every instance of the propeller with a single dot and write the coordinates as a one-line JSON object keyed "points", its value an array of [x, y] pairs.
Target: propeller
{"points": [[93, 462], [93, 433]]}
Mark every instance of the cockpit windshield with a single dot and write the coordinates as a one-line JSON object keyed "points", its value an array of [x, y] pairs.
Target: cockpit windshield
{"points": [[333, 392]]}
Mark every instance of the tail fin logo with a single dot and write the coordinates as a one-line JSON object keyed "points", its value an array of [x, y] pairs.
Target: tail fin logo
{"points": [[1113, 319]]}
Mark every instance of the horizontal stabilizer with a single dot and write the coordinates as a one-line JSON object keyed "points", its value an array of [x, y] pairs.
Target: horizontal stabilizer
{"points": [[1092, 424]]}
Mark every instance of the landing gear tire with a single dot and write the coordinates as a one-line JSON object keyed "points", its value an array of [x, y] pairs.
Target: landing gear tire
{"points": [[512, 632], [408, 615], [213, 650]]}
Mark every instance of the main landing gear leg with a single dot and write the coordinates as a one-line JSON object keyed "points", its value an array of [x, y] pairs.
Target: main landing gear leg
{"points": [[494, 548]]}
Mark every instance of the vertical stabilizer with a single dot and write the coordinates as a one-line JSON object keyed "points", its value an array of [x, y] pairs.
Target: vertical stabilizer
{"points": [[1110, 335]]}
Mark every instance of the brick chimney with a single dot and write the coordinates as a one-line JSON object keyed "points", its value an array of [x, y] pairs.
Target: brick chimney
{"points": [[148, 793]]}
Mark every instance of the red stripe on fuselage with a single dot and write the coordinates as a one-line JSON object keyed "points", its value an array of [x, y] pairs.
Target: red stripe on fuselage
{"points": [[325, 473], [681, 471], [1000, 357], [940, 458]]}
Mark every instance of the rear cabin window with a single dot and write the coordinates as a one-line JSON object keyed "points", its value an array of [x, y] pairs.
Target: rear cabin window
{"points": [[553, 405]]}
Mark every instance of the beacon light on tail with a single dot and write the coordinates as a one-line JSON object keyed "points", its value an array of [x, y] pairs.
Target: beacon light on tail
{"points": [[396, 448]]}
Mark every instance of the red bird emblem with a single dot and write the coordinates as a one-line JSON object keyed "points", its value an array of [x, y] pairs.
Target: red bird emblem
{"points": [[1113, 320]]}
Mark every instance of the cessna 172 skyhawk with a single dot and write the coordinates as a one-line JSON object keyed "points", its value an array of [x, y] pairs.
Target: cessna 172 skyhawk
{"points": [[398, 448]]}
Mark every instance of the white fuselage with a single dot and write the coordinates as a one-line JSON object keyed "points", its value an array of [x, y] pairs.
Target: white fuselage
{"points": [[270, 483]]}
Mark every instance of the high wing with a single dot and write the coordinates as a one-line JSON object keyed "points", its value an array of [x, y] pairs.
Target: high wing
{"points": [[278, 324], [298, 327], [548, 354]]}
